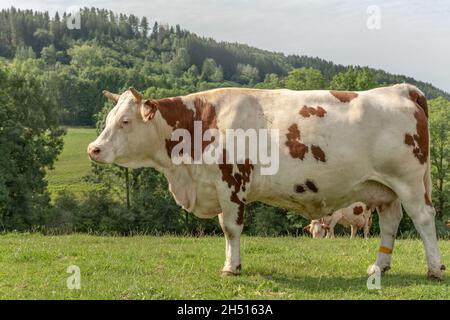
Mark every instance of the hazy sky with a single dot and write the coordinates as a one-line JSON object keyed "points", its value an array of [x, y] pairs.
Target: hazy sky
{"points": [[414, 38]]}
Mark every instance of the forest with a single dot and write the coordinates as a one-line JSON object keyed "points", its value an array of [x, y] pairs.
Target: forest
{"points": [[51, 77]]}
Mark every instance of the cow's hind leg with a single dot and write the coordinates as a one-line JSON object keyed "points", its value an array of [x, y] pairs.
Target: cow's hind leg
{"points": [[389, 218], [232, 231], [417, 204], [423, 217]]}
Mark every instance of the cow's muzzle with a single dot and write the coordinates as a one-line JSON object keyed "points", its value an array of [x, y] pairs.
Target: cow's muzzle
{"points": [[94, 152]]}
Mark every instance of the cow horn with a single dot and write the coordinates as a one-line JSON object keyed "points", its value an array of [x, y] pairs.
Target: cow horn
{"points": [[137, 95], [111, 96]]}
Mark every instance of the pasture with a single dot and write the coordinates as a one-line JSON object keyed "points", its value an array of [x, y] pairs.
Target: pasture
{"points": [[73, 163], [33, 266]]}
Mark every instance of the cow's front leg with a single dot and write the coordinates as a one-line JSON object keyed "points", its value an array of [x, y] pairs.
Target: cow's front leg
{"points": [[232, 190], [232, 231], [353, 231], [330, 233]]}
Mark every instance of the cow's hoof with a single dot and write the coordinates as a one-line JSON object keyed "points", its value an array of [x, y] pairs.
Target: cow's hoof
{"points": [[385, 269], [436, 274], [230, 271]]}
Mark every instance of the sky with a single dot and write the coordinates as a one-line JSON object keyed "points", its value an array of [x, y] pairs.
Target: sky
{"points": [[409, 37]]}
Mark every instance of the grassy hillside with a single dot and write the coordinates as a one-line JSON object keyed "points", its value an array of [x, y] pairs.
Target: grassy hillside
{"points": [[143, 267], [73, 163]]}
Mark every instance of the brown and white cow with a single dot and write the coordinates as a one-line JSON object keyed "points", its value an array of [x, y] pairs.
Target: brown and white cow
{"points": [[357, 216], [335, 148]]}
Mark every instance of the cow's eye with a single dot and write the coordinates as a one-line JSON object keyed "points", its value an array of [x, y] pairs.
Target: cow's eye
{"points": [[124, 123]]}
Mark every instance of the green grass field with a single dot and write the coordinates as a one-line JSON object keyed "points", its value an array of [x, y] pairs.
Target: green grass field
{"points": [[33, 266], [72, 164]]}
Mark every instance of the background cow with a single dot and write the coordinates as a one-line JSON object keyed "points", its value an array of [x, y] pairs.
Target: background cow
{"points": [[357, 216], [317, 228], [335, 148]]}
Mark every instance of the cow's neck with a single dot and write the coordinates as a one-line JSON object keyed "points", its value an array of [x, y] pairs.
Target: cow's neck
{"points": [[178, 176]]}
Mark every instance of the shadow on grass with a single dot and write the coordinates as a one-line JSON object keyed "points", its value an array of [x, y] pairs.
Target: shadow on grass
{"points": [[338, 283]]}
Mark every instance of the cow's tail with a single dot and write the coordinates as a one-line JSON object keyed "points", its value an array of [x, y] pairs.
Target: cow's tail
{"points": [[421, 101], [427, 182]]}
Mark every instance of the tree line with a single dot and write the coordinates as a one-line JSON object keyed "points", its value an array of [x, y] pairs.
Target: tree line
{"points": [[51, 76]]}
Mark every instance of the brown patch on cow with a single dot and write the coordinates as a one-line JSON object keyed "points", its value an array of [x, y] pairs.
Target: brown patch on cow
{"points": [[419, 100], [409, 140], [236, 182], [306, 112], [428, 200], [318, 153], [344, 96], [358, 210], [311, 186], [297, 150], [299, 188], [178, 116], [420, 140]]}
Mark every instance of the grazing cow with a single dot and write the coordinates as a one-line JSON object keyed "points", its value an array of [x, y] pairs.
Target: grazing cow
{"points": [[335, 148], [357, 216], [317, 228]]}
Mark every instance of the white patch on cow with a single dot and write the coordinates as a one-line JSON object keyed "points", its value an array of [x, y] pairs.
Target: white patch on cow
{"points": [[189, 103]]}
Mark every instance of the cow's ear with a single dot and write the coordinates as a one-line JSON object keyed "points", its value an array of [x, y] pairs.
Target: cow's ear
{"points": [[148, 109]]}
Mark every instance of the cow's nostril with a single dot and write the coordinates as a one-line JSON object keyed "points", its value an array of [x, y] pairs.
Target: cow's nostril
{"points": [[93, 151]]}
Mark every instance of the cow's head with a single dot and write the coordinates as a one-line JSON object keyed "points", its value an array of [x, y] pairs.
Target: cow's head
{"points": [[317, 229], [128, 138]]}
